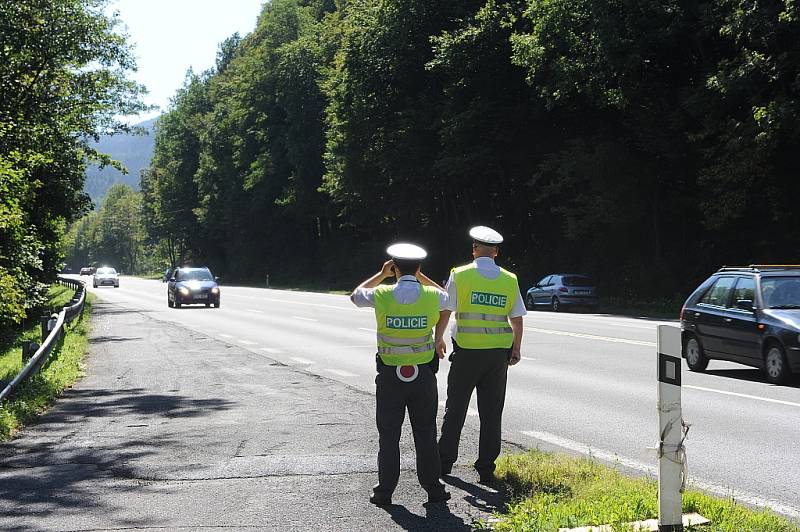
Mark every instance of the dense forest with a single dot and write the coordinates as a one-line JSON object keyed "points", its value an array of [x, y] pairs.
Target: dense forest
{"points": [[646, 143], [63, 82]]}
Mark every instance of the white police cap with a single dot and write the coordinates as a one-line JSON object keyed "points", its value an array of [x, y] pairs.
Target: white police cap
{"points": [[485, 235], [406, 251]]}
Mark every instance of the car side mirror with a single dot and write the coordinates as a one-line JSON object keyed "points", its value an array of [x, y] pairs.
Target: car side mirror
{"points": [[744, 304]]}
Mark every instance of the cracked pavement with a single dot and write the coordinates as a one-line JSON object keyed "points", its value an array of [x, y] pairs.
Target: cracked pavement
{"points": [[171, 429]]}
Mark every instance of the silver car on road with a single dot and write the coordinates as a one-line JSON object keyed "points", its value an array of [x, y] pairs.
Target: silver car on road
{"points": [[560, 290]]}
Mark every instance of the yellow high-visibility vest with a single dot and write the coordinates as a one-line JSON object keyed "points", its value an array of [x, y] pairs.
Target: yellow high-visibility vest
{"points": [[483, 307], [404, 330]]}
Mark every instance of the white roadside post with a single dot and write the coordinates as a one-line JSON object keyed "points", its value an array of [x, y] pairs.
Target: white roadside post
{"points": [[671, 459]]}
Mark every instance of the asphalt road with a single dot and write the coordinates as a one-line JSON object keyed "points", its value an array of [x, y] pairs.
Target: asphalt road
{"points": [[586, 384]]}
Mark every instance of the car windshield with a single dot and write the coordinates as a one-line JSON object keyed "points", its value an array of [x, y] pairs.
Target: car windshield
{"points": [[195, 275], [577, 280], [106, 271], [781, 292]]}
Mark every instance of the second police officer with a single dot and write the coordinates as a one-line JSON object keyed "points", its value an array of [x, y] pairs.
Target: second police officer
{"points": [[487, 339], [406, 362]]}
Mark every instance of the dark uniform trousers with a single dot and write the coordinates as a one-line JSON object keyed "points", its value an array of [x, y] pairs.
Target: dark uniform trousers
{"points": [[420, 397], [485, 370]]}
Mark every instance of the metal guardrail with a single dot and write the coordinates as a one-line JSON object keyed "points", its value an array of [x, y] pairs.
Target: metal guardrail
{"points": [[52, 331]]}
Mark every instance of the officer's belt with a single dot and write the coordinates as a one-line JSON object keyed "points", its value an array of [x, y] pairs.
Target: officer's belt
{"points": [[406, 350], [479, 316], [403, 341], [484, 330]]}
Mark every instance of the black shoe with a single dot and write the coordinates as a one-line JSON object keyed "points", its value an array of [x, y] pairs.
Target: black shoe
{"points": [[438, 496], [380, 500], [487, 479]]}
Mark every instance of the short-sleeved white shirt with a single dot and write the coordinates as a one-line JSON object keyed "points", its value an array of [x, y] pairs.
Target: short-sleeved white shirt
{"points": [[406, 291], [489, 270]]}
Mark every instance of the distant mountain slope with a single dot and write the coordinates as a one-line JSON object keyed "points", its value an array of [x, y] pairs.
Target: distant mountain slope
{"points": [[133, 151]]}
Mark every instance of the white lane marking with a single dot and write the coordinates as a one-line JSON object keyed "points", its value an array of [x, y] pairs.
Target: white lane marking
{"points": [[746, 396], [226, 335], [304, 319], [300, 360], [372, 331], [591, 337], [608, 456], [340, 372], [246, 342], [256, 311], [270, 350]]}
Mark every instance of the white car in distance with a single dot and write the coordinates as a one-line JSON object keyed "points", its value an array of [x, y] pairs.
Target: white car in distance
{"points": [[105, 277]]}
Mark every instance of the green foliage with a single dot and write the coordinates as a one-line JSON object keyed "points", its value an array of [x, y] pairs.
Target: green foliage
{"points": [[113, 236], [630, 139], [65, 366], [62, 83], [552, 491]]}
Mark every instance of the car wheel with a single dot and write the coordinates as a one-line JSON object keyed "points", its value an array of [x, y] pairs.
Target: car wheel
{"points": [[695, 357], [170, 304], [775, 364], [556, 304], [216, 304], [529, 304]]}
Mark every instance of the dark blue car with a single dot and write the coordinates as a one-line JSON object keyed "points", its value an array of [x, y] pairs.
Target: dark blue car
{"points": [[187, 286], [749, 315]]}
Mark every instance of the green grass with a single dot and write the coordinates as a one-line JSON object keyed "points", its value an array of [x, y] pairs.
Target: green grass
{"points": [[664, 307], [61, 371], [550, 491]]}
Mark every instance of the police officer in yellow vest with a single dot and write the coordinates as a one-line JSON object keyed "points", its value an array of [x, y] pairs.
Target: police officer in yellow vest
{"points": [[407, 362], [487, 339]]}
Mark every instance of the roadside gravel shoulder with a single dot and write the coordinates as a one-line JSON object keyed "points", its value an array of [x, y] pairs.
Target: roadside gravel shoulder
{"points": [[173, 429]]}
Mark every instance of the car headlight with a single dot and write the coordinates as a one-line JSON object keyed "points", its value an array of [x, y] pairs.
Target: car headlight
{"points": [[215, 290], [183, 290]]}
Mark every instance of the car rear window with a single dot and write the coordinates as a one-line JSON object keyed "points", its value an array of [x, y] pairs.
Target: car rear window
{"points": [[719, 293], [106, 270], [781, 292], [577, 280]]}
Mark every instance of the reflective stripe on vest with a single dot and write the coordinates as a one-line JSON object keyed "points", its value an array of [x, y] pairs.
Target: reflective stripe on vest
{"points": [[482, 308], [479, 316], [404, 331], [406, 350], [396, 340], [484, 330]]}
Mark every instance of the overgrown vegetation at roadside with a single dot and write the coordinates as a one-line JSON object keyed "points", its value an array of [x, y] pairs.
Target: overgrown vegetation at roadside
{"points": [[551, 491], [62, 369]]}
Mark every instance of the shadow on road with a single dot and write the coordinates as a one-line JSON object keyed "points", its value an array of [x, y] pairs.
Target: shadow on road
{"points": [[437, 517], [752, 375], [88, 445], [484, 499], [104, 339]]}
